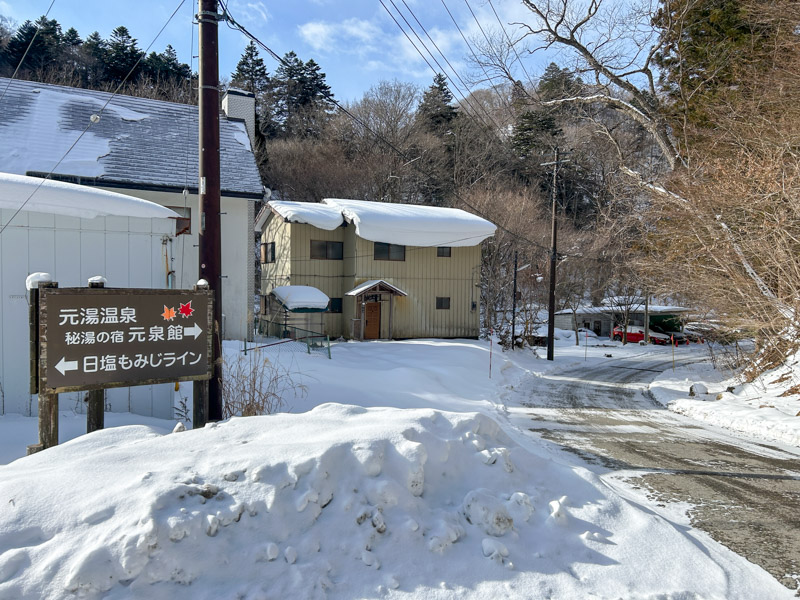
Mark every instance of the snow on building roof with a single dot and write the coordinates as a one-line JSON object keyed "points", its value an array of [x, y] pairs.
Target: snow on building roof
{"points": [[605, 310], [296, 297], [413, 225], [363, 287], [311, 213], [137, 141], [57, 197]]}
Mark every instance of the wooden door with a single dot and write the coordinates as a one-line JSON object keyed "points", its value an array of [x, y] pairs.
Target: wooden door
{"points": [[372, 329]]}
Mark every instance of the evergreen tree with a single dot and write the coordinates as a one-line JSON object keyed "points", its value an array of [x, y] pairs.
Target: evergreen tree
{"points": [[301, 98], [557, 83], [436, 112], [165, 66], [122, 55], [250, 73], [94, 52], [45, 48]]}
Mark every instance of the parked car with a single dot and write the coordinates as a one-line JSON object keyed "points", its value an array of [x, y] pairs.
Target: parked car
{"points": [[636, 334], [678, 337]]}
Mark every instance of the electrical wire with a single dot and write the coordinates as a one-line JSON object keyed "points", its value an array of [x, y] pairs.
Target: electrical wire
{"points": [[511, 44], [94, 119], [188, 135], [233, 24], [30, 45]]}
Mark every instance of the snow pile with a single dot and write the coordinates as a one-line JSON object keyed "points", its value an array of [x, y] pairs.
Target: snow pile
{"points": [[768, 408], [413, 225], [295, 297], [318, 215], [61, 198]]}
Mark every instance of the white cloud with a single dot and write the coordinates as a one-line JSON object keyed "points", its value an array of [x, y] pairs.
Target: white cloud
{"points": [[252, 13], [352, 36]]}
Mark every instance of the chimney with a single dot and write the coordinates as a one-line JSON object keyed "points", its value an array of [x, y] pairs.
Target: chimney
{"points": [[240, 105]]}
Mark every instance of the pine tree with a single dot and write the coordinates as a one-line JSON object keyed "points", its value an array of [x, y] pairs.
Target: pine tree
{"points": [[43, 51], [250, 73], [301, 98], [122, 55], [165, 66], [436, 112]]}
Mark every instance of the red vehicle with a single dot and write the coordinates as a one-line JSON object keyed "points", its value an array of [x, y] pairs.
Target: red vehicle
{"points": [[636, 335]]}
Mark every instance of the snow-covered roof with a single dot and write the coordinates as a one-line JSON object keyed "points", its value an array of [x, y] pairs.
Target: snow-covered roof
{"points": [[607, 310], [59, 198], [413, 225], [311, 213], [296, 297], [137, 141], [363, 287]]}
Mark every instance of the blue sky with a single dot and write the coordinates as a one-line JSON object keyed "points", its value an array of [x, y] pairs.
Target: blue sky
{"points": [[355, 42]]}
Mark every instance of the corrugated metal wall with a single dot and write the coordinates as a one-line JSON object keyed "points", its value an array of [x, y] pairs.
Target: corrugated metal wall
{"points": [[127, 251]]}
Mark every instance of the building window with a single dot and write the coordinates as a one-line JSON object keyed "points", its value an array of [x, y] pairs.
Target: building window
{"points": [[183, 222], [335, 305], [443, 303], [268, 252], [443, 251], [325, 250], [389, 251]]}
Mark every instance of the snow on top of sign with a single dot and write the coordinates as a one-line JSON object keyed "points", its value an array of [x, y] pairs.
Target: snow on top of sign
{"points": [[295, 297], [32, 281], [413, 225], [311, 213], [98, 279], [57, 197]]}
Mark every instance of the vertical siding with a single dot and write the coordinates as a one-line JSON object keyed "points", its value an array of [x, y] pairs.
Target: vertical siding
{"points": [[424, 276]]}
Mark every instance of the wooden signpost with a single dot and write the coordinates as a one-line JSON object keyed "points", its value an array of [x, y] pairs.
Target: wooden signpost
{"points": [[95, 338]]}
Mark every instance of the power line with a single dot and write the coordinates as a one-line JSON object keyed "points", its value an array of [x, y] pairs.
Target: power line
{"points": [[441, 68], [511, 44], [233, 24], [95, 118], [30, 45]]}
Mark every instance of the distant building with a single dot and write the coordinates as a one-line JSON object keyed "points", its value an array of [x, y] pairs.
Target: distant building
{"points": [[390, 270], [602, 319]]}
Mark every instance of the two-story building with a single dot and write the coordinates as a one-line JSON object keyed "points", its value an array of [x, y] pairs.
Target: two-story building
{"points": [[390, 270]]}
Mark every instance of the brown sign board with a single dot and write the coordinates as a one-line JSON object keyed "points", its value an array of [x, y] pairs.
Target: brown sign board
{"points": [[93, 338]]}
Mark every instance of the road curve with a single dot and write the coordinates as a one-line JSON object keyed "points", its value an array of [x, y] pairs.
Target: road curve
{"points": [[744, 493]]}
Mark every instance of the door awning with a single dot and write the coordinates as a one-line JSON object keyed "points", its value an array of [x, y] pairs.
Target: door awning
{"points": [[373, 286]]}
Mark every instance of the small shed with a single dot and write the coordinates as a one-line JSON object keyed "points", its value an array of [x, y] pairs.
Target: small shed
{"points": [[295, 311], [602, 319]]}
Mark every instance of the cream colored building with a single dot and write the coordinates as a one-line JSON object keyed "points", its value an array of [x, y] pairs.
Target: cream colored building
{"points": [[390, 270]]}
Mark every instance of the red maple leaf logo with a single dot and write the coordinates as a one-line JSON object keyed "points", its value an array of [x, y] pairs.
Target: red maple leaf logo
{"points": [[168, 314], [186, 310]]}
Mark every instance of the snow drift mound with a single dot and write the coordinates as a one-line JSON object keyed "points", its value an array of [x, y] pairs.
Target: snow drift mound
{"points": [[341, 502]]}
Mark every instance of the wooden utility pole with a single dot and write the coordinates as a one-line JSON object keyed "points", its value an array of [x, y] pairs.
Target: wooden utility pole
{"points": [[209, 193], [96, 399], [551, 305]]}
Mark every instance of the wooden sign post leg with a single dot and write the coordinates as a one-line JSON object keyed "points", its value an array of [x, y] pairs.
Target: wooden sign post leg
{"points": [[95, 411], [48, 420]]}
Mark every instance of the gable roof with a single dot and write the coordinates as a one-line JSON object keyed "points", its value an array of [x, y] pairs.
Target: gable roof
{"points": [[138, 143], [404, 224]]}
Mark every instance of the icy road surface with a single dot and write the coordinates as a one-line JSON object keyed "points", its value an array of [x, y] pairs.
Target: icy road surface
{"points": [[745, 494]]}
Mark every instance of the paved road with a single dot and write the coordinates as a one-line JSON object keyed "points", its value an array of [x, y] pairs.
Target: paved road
{"points": [[745, 494]]}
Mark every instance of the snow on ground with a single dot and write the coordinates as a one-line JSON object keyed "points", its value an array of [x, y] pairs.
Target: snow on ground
{"points": [[768, 408], [393, 476]]}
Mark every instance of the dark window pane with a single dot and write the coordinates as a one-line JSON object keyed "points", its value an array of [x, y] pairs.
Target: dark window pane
{"points": [[335, 250], [443, 303], [397, 252], [381, 251], [443, 251], [335, 306], [319, 249], [268, 252]]}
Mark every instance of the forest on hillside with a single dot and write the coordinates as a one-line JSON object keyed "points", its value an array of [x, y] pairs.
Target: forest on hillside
{"points": [[675, 124]]}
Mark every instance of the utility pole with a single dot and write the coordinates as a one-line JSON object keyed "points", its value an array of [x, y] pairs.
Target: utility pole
{"points": [[210, 251], [551, 305], [514, 305]]}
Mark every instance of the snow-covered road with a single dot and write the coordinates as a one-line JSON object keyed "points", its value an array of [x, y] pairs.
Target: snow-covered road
{"points": [[743, 493]]}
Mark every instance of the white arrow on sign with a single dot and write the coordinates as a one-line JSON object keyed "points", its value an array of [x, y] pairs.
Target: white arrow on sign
{"points": [[194, 330], [65, 365]]}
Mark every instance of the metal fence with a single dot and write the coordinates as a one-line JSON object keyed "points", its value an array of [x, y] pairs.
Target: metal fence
{"points": [[287, 337]]}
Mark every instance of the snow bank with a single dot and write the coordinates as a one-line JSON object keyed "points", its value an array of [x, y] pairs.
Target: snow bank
{"points": [[766, 408], [341, 502], [296, 297], [413, 225], [61, 198]]}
